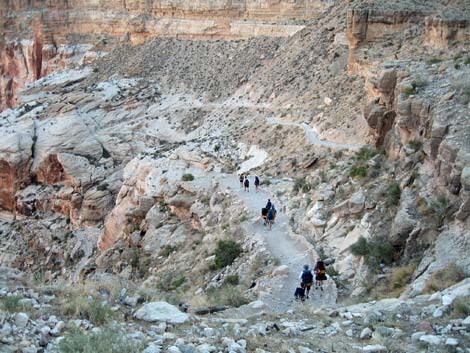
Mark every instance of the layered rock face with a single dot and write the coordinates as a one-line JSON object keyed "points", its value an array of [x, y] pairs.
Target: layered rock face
{"points": [[40, 38]]}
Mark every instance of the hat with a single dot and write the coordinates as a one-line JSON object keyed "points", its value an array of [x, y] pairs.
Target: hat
{"points": [[305, 267]]}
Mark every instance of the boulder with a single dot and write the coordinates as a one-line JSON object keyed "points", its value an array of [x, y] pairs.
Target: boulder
{"points": [[374, 348], [161, 311], [431, 339], [356, 202], [366, 334]]}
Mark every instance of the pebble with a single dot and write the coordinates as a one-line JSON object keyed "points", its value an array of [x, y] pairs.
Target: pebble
{"points": [[21, 320], [366, 334]]}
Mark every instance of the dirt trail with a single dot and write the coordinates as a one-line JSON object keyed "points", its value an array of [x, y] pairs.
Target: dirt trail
{"points": [[313, 136], [279, 242]]}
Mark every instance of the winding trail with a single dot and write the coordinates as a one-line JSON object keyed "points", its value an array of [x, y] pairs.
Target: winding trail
{"points": [[312, 136], [278, 241]]}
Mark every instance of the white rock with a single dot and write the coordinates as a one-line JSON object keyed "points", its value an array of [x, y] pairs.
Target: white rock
{"points": [[173, 349], [350, 333], [447, 299], [209, 332], [431, 339], [452, 342], [366, 333], [5, 330], [437, 313], [29, 350], [281, 270], [21, 320], [375, 348], [304, 349], [466, 322], [58, 328], [161, 311], [257, 304], [417, 335], [327, 100], [152, 348]]}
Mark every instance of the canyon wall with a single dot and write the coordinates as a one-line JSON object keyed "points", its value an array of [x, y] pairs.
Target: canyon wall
{"points": [[42, 37]]}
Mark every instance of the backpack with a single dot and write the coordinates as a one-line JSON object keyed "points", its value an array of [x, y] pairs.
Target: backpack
{"points": [[307, 277], [270, 214], [256, 181], [247, 183]]}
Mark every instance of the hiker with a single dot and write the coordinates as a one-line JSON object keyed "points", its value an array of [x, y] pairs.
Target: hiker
{"points": [[274, 212], [242, 178], [320, 274], [247, 184], [300, 292], [264, 215], [269, 204], [270, 218], [306, 277], [256, 183]]}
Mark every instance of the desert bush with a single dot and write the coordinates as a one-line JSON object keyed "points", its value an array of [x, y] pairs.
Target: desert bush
{"points": [[463, 88], [358, 170], [393, 194], [226, 252], [107, 340], [461, 306], [374, 251], [419, 81], [434, 61], [408, 90], [232, 280], [415, 144], [187, 177], [168, 249], [170, 282], [78, 306], [366, 153], [400, 277], [229, 295], [301, 184], [443, 278], [11, 304]]}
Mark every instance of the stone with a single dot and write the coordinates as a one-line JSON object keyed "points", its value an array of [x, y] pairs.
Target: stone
{"points": [[350, 333], [304, 349], [152, 348], [432, 340], [21, 320], [58, 328], [161, 311], [173, 349], [366, 334], [452, 342], [375, 348], [257, 304], [356, 202], [447, 299], [437, 313], [466, 321], [281, 270], [417, 335]]}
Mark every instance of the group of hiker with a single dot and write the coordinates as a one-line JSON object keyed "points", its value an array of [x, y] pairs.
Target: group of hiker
{"points": [[245, 182], [309, 278]]}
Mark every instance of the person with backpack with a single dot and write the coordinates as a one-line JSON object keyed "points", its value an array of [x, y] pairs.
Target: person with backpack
{"points": [[300, 292], [247, 184], [242, 178], [320, 274], [274, 212], [306, 278], [264, 215], [256, 183], [270, 218], [269, 204]]}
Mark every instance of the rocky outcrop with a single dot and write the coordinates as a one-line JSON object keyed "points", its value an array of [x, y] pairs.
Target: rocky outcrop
{"points": [[443, 32]]}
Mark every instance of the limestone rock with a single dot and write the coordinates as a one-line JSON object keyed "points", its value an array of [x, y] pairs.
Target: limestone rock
{"points": [[161, 311]]}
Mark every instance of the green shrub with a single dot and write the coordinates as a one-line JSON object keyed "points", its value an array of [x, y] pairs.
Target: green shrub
{"points": [[374, 250], [167, 250], [301, 184], [11, 303], [419, 81], [358, 170], [187, 177], [463, 89], [467, 61], [233, 280], [226, 252], [360, 248], [415, 144], [216, 148], [81, 307], [170, 282], [227, 295], [393, 194], [408, 90], [444, 278], [434, 61], [108, 340], [366, 153], [243, 218], [338, 154], [461, 306]]}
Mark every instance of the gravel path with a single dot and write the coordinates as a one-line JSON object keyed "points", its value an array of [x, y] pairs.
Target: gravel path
{"points": [[313, 136], [281, 245]]}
